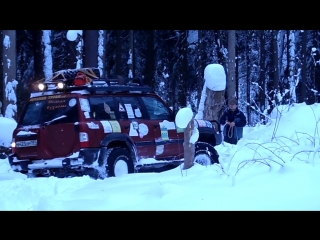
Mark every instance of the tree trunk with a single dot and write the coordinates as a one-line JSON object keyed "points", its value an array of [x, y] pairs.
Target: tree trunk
{"points": [[275, 62], [222, 56], [102, 53], [38, 52], [213, 105], [220, 48], [317, 74], [71, 59], [231, 82], [131, 51], [90, 48], [199, 63], [262, 75], [9, 74], [181, 90], [59, 45], [118, 53], [303, 67], [281, 50], [2, 88], [79, 51], [291, 64], [149, 70], [248, 78], [189, 148], [47, 54]]}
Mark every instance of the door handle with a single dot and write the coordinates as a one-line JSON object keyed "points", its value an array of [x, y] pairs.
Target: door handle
{"points": [[155, 126]]}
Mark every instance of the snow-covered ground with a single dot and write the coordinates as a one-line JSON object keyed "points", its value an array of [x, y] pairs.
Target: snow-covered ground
{"points": [[274, 167]]}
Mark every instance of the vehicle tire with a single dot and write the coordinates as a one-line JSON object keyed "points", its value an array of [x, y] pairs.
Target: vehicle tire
{"points": [[119, 162], [205, 157]]}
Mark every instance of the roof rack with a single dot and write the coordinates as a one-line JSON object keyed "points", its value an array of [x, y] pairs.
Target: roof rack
{"points": [[119, 88], [89, 79]]}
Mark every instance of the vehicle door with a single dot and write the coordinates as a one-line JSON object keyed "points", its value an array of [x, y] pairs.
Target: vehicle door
{"points": [[102, 119], [168, 139], [134, 122], [59, 136]]}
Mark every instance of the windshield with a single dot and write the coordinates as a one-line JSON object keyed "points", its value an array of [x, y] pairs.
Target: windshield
{"points": [[50, 111]]}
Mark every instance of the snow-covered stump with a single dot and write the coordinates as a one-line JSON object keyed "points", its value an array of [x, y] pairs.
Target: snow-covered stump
{"points": [[214, 103], [210, 104], [188, 148], [184, 119], [212, 97]]}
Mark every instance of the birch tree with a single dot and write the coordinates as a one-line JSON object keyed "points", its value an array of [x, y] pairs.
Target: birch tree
{"points": [[282, 50], [47, 54], [291, 63], [130, 58], [102, 53], [9, 74], [303, 79]]}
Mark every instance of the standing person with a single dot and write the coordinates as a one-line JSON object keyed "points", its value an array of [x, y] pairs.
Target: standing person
{"points": [[234, 121]]}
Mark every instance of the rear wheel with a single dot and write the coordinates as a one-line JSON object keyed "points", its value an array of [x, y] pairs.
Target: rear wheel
{"points": [[119, 162]]}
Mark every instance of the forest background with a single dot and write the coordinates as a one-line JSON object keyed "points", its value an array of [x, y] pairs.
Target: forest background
{"points": [[264, 68]]}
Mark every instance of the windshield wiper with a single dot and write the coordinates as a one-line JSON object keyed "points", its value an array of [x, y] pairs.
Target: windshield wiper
{"points": [[55, 119]]}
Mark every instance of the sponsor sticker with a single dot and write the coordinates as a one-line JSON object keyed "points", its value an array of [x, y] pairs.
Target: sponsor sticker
{"points": [[72, 102], [106, 126]]}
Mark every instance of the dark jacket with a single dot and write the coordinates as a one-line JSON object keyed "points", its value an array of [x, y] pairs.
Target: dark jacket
{"points": [[237, 117]]}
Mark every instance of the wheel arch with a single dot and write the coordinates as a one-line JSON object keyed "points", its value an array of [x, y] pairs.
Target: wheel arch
{"points": [[115, 140]]}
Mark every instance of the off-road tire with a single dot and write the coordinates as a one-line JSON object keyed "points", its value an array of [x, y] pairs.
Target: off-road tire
{"points": [[211, 156], [114, 157]]}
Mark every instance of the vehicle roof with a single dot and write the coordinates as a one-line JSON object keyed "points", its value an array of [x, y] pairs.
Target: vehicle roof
{"points": [[90, 83]]}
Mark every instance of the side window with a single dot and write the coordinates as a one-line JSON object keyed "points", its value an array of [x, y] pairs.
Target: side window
{"points": [[130, 108], [156, 109], [102, 108]]}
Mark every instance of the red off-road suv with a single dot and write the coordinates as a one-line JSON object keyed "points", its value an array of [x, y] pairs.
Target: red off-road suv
{"points": [[77, 123]]}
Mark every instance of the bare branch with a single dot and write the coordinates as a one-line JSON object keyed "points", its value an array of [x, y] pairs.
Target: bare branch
{"points": [[260, 145]]}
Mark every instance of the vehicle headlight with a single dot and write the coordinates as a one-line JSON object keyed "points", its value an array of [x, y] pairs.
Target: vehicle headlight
{"points": [[61, 85], [42, 86]]}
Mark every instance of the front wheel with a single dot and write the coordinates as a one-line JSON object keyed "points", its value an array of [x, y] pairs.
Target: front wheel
{"points": [[202, 158], [206, 154]]}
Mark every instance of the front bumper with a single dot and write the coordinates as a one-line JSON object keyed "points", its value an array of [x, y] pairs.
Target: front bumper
{"points": [[85, 157]]}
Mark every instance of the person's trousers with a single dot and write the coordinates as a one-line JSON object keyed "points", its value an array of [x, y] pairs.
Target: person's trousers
{"points": [[230, 140]]}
